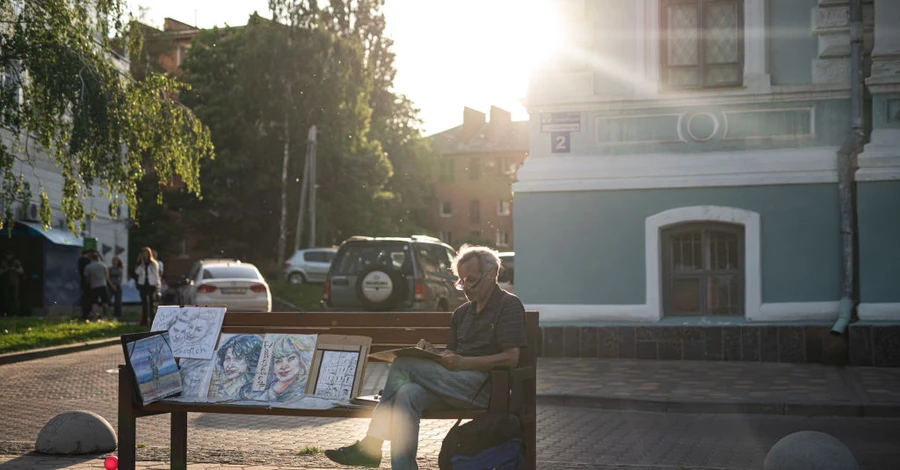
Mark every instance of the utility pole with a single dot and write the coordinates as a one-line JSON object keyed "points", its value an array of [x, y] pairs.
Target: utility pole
{"points": [[311, 141], [309, 175]]}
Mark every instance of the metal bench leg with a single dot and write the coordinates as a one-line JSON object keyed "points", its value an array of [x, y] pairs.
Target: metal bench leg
{"points": [[179, 440], [127, 426]]}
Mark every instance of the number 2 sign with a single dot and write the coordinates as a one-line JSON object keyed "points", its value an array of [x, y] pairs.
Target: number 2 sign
{"points": [[559, 142]]}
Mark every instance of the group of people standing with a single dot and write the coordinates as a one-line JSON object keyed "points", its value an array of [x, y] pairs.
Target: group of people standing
{"points": [[102, 285]]}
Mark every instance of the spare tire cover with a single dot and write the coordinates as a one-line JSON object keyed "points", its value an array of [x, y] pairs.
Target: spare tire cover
{"points": [[379, 288]]}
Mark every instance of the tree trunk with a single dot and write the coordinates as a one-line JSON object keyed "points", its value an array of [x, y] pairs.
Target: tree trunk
{"points": [[282, 236]]}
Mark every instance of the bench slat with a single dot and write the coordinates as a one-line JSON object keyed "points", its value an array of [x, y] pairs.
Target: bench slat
{"points": [[340, 319]]}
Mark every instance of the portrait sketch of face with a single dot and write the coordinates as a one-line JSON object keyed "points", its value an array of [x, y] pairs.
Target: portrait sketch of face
{"points": [[236, 361], [195, 377]]}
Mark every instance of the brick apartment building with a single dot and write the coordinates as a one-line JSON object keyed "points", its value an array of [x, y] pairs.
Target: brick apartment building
{"points": [[477, 165]]}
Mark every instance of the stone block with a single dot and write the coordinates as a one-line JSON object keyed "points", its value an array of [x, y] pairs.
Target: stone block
{"points": [[571, 341], [768, 344], [790, 344], [813, 344], [713, 339], [694, 352], [76, 433], [627, 349], [860, 345], [750, 343], [647, 350], [809, 450], [587, 342], [608, 342], [670, 351], [731, 343], [553, 342], [886, 346]]}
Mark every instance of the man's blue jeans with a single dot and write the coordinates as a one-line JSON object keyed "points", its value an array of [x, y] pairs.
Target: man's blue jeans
{"points": [[413, 386]]}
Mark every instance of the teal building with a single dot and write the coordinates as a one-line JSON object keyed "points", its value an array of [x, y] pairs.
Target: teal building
{"points": [[681, 196]]}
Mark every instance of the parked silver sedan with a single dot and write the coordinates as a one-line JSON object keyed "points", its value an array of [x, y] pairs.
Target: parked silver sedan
{"points": [[309, 265], [238, 286]]}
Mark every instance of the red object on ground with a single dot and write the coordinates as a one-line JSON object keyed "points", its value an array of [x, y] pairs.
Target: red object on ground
{"points": [[111, 463]]}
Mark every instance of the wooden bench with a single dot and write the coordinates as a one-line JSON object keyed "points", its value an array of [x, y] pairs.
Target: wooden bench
{"points": [[387, 330]]}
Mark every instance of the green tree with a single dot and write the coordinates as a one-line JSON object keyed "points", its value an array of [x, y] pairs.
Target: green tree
{"points": [[240, 79], [65, 90], [394, 124]]}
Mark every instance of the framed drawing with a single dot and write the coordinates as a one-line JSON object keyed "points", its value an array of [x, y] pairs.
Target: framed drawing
{"points": [[338, 366], [152, 364]]}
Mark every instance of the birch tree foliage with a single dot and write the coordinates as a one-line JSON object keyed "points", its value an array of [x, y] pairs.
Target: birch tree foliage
{"points": [[66, 97]]}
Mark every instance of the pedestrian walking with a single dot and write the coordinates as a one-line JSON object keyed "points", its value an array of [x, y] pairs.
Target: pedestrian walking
{"points": [[148, 281], [116, 276], [11, 273], [85, 300], [97, 277]]}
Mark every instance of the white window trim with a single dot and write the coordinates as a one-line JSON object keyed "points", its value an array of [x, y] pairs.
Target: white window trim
{"points": [[502, 234], [441, 210], [752, 269], [500, 207], [648, 53]]}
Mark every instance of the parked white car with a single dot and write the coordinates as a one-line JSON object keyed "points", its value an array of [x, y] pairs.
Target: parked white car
{"points": [[238, 286], [309, 265]]}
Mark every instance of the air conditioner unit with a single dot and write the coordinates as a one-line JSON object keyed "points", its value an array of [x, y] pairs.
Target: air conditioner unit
{"points": [[33, 212]]}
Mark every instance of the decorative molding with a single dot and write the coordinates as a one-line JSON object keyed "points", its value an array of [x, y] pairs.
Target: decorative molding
{"points": [[752, 255], [768, 313], [613, 125], [880, 159], [722, 97], [734, 115], [797, 311], [875, 311], [810, 165], [590, 312]]}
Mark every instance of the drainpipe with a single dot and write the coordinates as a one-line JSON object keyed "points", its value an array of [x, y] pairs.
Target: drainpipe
{"points": [[846, 168]]}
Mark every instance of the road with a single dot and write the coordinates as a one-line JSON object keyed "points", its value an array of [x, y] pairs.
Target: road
{"points": [[35, 391]]}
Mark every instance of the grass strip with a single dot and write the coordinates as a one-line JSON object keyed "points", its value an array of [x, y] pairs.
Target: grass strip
{"points": [[25, 333]]}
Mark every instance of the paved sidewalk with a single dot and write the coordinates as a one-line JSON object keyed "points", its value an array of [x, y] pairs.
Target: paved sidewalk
{"points": [[682, 386]]}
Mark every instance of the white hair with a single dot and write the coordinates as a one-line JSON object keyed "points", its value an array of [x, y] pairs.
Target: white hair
{"points": [[488, 258]]}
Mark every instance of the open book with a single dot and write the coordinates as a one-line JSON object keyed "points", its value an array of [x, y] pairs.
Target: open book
{"points": [[410, 351]]}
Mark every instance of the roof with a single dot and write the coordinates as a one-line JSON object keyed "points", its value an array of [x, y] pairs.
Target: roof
{"points": [[54, 235], [514, 138]]}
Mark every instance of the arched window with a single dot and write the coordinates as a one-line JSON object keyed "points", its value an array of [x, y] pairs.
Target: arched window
{"points": [[703, 269]]}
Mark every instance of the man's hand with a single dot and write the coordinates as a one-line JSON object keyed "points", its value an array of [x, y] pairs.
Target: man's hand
{"points": [[452, 361], [426, 346]]}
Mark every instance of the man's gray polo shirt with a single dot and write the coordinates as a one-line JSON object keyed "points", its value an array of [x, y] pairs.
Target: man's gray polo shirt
{"points": [[500, 326]]}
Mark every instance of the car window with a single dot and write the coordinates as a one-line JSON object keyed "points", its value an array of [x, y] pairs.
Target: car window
{"points": [[313, 256], [328, 255], [230, 272], [442, 262], [354, 258], [428, 259], [450, 255]]}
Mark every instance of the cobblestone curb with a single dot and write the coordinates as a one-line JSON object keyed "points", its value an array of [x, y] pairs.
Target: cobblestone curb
{"points": [[10, 358]]}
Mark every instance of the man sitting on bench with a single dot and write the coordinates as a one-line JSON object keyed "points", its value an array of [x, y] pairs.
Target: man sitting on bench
{"points": [[485, 333]]}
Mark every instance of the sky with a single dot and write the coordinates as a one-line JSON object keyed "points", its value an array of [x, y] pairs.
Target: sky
{"points": [[450, 53]]}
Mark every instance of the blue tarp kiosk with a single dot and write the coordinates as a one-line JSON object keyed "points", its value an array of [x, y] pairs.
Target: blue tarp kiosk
{"points": [[50, 260]]}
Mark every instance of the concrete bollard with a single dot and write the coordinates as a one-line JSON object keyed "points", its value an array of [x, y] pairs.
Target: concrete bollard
{"points": [[809, 450], [76, 433]]}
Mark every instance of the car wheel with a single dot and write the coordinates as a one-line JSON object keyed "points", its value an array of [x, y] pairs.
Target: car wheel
{"points": [[296, 278], [380, 288]]}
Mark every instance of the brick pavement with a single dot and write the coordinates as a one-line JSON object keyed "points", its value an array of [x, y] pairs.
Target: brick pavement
{"points": [[568, 437]]}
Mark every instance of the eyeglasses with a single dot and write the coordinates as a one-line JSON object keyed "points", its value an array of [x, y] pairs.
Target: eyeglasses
{"points": [[470, 281]]}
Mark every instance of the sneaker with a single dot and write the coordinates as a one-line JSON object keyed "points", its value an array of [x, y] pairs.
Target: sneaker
{"points": [[354, 455]]}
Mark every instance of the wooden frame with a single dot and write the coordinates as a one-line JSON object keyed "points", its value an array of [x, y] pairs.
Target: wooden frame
{"points": [[343, 344]]}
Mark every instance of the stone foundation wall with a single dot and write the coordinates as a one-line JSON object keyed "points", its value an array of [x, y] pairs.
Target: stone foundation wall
{"points": [[805, 344]]}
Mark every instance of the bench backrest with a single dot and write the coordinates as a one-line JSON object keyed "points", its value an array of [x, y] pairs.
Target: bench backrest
{"points": [[388, 330]]}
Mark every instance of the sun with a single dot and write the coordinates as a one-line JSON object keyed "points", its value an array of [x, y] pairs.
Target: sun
{"points": [[475, 53]]}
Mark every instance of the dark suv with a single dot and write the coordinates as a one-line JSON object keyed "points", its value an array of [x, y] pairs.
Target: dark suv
{"points": [[391, 274]]}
